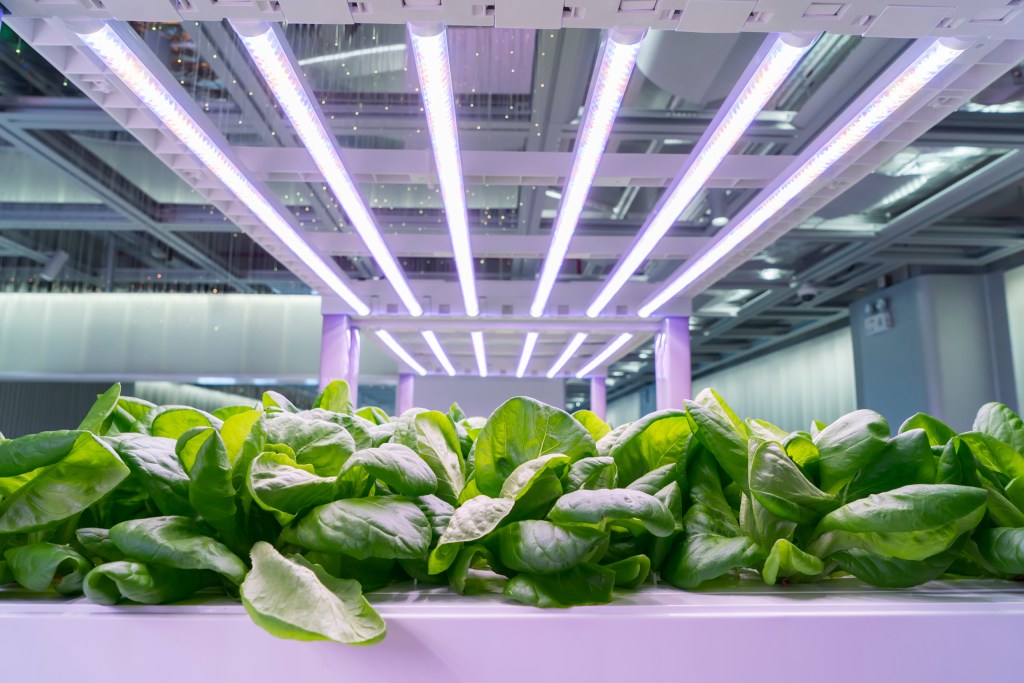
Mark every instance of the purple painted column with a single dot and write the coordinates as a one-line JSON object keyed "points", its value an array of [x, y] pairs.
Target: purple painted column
{"points": [[334, 349], [598, 397], [672, 363], [353, 365], [405, 386]]}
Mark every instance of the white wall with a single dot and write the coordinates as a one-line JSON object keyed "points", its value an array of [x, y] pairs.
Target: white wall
{"points": [[792, 386], [1015, 310], [480, 396]]}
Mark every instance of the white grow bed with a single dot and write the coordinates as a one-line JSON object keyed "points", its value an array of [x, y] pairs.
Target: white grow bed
{"points": [[962, 631]]}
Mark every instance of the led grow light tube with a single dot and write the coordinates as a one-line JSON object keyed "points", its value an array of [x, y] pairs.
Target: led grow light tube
{"points": [[610, 81], [712, 149], [479, 352], [127, 66], [439, 353], [926, 67], [393, 344], [352, 54], [604, 355], [524, 359], [430, 49], [574, 345], [276, 64]]}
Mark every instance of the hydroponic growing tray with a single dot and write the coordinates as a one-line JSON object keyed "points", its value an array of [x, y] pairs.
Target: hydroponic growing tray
{"points": [[839, 632]]}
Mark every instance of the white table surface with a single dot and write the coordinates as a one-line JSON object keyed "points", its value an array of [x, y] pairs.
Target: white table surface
{"points": [[964, 631]]}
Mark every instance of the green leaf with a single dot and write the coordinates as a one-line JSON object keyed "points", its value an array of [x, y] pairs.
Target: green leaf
{"points": [[112, 582], [236, 429], [438, 514], [282, 486], [227, 412], [374, 415], [27, 453], [785, 561], [176, 542], [906, 459], [455, 413], [804, 453], [1003, 549], [606, 443], [631, 572], [614, 506], [273, 401], [762, 525], [910, 523], [722, 433], [153, 461], [396, 465], [701, 558], [891, 572], [939, 433], [336, 397], [657, 479], [473, 520], [324, 445], [97, 419], [539, 547], [40, 566], [387, 528], [591, 473], [432, 436], [211, 490], [999, 422], [995, 454], [848, 444], [49, 499], [779, 485], [766, 431], [586, 584], [652, 441], [97, 545], [520, 430], [593, 424], [459, 574], [173, 421]]}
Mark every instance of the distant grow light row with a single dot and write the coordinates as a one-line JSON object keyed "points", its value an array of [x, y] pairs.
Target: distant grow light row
{"points": [[480, 352]]}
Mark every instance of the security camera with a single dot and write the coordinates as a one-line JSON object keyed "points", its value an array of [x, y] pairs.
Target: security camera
{"points": [[807, 292]]}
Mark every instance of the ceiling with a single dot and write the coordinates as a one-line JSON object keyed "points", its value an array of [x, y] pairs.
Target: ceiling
{"points": [[939, 189]]}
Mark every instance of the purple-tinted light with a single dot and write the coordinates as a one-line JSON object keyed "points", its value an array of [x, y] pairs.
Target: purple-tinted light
{"points": [[480, 352], [399, 351], [524, 359], [604, 355], [574, 345], [439, 353]]}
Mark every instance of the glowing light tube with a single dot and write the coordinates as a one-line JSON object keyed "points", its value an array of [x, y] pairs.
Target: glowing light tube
{"points": [[479, 352], [926, 67], [777, 64], [439, 353], [604, 355], [126, 65], [406, 357], [276, 64], [611, 78], [430, 49], [573, 347], [524, 359]]}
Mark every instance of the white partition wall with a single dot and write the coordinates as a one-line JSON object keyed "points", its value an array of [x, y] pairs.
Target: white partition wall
{"points": [[1015, 311], [477, 396], [813, 380]]}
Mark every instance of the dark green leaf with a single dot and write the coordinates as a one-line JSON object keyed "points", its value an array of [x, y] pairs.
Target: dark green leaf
{"points": [[891, 572], [97, 545], [999, 422], [700, 558], [723, 434], [280, 485], [324, 445], [848, 444], [27, 453], [112, 582], [995, 454], [613, 505], [97, 419], [397, 466], [390, 527], [785, 561], [459, 574], [520, 430], [591, 473], [1003, 549], [652, 441], [778, 484], [631, 572], [40, 566], [471, 521], [939, 433], [432, 436], [587, 584], [539, 547], [177, 542], [211, 490], [906, 459], [154, 462]]}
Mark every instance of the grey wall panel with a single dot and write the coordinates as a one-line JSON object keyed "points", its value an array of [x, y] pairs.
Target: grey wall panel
{"points": [[480, 396]]}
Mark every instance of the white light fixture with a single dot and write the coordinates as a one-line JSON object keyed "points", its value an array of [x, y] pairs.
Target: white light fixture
{"points": [[406, 357], [573, 347], [435, 346], [604, 355], [430, 48], [610, 81], [353, 54], [709, 153], [276, 64], [479, 352], [936, 58], [524, 359], [127, 66]]}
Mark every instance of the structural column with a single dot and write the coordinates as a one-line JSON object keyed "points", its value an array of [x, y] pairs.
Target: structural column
{"points": [[334, 349], [353, 365], [672, 363], [404, 399], [598, 397]]}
